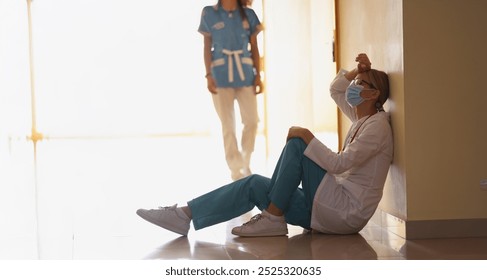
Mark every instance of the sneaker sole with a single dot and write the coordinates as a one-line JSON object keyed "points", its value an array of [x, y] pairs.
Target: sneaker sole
{"points": [[263, 234], [164, 226]]}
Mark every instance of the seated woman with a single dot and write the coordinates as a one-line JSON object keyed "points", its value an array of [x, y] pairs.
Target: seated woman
{"points": [[339, 191]]}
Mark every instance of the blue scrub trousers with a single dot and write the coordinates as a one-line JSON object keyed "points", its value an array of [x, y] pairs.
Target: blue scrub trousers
{"points": [[292, 170]]}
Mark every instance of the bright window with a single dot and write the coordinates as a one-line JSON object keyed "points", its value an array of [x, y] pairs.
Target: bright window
{"points": [[119, 67]]}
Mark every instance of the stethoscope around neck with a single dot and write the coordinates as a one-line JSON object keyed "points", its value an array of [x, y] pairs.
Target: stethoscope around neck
{"points": [[356, 131]]}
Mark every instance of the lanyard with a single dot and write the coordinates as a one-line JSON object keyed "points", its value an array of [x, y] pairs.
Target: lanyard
{"points": [[356, 131]]}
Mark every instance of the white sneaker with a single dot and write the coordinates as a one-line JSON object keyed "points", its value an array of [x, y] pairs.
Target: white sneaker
{"points": [[262, 225], [170, 218]]}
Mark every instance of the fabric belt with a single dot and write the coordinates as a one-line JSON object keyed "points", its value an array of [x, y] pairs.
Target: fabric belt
{"points": [[238, 61]]}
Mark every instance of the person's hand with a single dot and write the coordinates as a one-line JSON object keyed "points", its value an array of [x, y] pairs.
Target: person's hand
{"points": [[258, 85], [211, 84], [299, 132], [364, 63]]}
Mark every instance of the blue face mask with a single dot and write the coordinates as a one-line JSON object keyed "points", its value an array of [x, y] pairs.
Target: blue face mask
{"points": [[352, 95]]}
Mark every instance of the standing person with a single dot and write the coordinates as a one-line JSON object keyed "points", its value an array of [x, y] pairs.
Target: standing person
{"points": [[340, 191], [232, 63]]}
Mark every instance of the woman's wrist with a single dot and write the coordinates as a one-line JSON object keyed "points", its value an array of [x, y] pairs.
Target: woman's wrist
{"points": [[350, 75]]}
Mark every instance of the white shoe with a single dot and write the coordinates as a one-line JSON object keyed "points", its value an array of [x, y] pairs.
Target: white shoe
{"points": [[262, 225], [170, 218]]}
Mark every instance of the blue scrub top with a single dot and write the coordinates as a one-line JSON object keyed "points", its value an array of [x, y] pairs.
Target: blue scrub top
{"points": [[232, 64]]}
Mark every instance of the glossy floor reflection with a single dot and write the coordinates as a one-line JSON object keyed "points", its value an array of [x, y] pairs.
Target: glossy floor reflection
{"points": [[88, 192], [372, 243]]}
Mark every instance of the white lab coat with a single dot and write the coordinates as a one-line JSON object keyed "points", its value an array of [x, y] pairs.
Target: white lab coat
{"points": [[350, 192]]}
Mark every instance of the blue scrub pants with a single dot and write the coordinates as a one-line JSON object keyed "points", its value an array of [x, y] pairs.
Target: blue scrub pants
{"points": [[292, 170]]}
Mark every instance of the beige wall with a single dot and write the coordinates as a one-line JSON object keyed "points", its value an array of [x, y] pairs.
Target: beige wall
{"points": [[434, 52], [375, 27], [446, 119]]}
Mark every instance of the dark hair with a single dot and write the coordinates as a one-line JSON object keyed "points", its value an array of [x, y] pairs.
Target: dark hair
{"points": [[241, 4], [380, 80]]}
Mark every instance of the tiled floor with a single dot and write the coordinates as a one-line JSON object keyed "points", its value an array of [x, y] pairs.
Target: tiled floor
{"points": [[88, 192]]}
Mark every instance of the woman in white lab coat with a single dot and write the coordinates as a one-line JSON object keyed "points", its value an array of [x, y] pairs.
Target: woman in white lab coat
{"points": [[312, 186]]}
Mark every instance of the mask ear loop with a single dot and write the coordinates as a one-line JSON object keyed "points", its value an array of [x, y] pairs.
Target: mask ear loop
{"points": [[378, 105]]}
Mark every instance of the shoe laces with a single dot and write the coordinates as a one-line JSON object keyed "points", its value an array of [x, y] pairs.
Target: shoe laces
{"points": [[165, 207], [254, 219]]}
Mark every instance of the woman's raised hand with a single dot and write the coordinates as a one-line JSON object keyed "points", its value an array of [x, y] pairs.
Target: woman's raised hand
{"points": [[364, 63]]}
